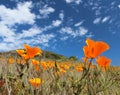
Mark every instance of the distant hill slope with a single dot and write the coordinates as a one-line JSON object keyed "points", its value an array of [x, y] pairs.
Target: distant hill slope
{"points": [[45, 55]]}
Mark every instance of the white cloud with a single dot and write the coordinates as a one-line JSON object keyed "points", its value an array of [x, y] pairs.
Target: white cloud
{"points": [[67, 30], [45, 11], [9, 18], [56, 23], [12, 43], [11, 37], [20, 15], [79, 23], [30, 33], [119, 6], [90, 35], [97, 20], [64, 38], [105, 19], [4, 46], [5, 31], [74, 1], [81, 31], [45, 38], [61, 15]]}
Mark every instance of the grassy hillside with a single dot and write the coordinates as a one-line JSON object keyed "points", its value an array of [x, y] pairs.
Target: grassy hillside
{"points": [[45, 55], [55, 75]]}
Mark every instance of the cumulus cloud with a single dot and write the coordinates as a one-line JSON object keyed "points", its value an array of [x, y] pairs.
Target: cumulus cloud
{"points": [[45, 11], [10, 18], [31, 32], [56, 23], [97, 20], [12, 38], [64, 38], [5, 31], [81, 31], [20, 15], [79, 23], [41, 40], [45, 38], [17, 41], [61, 15], [74, 1], [105, 19]]}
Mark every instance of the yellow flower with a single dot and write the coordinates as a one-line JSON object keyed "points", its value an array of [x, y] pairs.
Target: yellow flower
{"points": [[79, 68], [37, 68], [11, 60], [35, 82], [44, 65], [35, 62]]}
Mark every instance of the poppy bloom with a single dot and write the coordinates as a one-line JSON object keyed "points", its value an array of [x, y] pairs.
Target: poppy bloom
{"points": [[94, 49], [44, 65], [103, 61], [62, 71], [35, 82], [32, 51], [85, 59], [29, 52], [35, 62], [22, 53], [11, 60], [79, 68], [37, 68], [18, 61], [50, 64]]}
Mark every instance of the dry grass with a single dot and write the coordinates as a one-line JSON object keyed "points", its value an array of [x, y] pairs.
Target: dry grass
{"points": [[91, 80]]}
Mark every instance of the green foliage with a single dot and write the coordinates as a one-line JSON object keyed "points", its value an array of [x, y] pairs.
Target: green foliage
{"points": [[73, 58]]}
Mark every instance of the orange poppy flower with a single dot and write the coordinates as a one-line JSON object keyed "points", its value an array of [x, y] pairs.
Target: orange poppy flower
{"points": [[32, 51], [79, 68], [18, 61], [37, 68], [35, 82], [11, 60], [29, 52], [35, 62], [62, 71], [94, 49], [103, 61], [44, 65], [21, 52], [85, 59]]}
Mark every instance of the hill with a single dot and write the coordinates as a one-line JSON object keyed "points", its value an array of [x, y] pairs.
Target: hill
{"points": [[45, 55]]}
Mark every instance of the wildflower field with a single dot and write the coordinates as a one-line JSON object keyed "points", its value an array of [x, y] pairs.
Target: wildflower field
{"points": [[26, 74]]}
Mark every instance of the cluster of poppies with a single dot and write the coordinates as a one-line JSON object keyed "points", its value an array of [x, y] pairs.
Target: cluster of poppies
{"points": [[92, 50]]}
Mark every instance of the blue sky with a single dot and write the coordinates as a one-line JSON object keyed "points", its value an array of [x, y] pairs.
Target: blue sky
{"points": [[61, 26]]}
